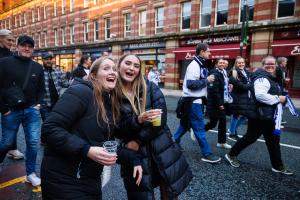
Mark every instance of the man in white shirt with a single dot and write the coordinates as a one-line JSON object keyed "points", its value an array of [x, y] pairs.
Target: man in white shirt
{"points": [[154, 75], [194, 91]]}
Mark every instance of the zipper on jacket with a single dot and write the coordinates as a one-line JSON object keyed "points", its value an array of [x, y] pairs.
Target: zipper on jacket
{"points": [[78, 171]]}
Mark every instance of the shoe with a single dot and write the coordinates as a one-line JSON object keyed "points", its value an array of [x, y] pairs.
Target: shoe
{"points": [[283, 122], [282, 170], [234, 162], [33, 179], [15, 154], [233, 137], [211, 159], [224, 145], [281, 126]]}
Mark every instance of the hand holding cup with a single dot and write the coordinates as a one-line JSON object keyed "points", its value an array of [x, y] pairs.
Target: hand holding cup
{"points": [[149, 115]]}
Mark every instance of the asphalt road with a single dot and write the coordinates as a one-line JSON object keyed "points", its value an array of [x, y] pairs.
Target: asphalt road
{"points": [[253, 180]]}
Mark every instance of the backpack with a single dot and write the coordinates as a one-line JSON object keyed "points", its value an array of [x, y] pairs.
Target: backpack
{"points": [[180, 108]]}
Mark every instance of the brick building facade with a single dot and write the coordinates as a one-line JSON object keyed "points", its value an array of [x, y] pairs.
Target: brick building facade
{"points": [[163, 33]]}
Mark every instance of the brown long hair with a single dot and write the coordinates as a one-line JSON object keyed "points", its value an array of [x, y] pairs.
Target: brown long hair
{"points": [[98, 90], [139, 88]]}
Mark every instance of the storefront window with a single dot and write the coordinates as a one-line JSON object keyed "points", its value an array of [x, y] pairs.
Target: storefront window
{"points": [[65, 62]]}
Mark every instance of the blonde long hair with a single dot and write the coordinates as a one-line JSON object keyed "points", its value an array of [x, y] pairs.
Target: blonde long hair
{"points": [[98, 91], [139, 89], [234, 71]]}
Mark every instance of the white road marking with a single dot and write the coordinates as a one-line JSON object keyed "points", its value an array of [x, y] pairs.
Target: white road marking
{"points": [[260, 140]]}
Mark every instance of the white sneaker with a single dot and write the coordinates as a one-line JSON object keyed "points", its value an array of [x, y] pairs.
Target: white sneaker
{"points": [[224, 145], [15, 154], [33, 179]]}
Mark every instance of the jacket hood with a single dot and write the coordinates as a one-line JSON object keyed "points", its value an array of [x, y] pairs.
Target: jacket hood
{"points": [[262, 73], [81, 81]]}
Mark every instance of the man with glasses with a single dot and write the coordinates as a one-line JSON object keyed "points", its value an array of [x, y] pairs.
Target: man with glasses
{"points": [[22, 90], [267, 94], [7, 40]]}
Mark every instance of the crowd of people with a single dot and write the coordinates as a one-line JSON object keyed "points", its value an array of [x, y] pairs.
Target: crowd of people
{"points": [[109, 100]]}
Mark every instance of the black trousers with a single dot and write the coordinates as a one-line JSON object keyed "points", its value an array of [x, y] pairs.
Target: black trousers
{"points": [[221, 127], [256, 128]]}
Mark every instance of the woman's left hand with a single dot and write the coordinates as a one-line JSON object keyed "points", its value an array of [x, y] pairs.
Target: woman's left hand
{"points": [[138, 174], [133, 145]]}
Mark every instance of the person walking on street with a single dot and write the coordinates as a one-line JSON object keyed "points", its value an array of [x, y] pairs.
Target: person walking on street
{"points": [[83, 69], [154, 75], [54, 82], [242, 96], [6, 42], [217, 102], [194, 92], [268, 94], [22, 92]]}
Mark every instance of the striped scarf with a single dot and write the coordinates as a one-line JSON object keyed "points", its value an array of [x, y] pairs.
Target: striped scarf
{"points": [[279, 111]]}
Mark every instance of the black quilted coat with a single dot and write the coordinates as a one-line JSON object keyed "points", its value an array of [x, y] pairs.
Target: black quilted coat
{"points": [[242, 94], [162, 159]]}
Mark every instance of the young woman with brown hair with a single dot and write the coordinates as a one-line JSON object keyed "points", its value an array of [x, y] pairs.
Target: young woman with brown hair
{"points": [[81, 121]]}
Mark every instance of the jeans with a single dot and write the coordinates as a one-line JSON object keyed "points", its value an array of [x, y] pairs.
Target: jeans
{"points": [[197, 124], [266, 129], [235, 122], [30, 120]]}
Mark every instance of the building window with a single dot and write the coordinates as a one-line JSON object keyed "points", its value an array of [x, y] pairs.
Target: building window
{"points": [[45, 39], [16, 21], [45, 12], [250, 9], [127, 24], [63, 34], [55, 8], [285, 8], [107, 28], [55, 37], [32, 35], [62, 7], [159, 20], [86, 32], [32, 15], [40, 39], [20, 19], [72, 34], [142, 22], [205, 13], [85, 3], [222, 12], [38, 14], [95, 2], [25, 18], [71, 5], [96, 30], [186, 15]]}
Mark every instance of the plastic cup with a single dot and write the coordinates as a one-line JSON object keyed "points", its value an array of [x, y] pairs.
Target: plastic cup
{"points": [[157, 121], [111, 147]]}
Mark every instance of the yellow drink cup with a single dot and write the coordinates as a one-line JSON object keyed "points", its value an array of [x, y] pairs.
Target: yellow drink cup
{"points": [[157, 121]]}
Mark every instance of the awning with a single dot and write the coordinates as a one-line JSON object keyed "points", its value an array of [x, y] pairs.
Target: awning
{"points": [[228, 51], [286, 47]]}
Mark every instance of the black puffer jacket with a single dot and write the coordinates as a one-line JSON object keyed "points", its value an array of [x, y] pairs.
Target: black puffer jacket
{"points": [[242, 94], [162, 159], [69, 131], [215, 95]]}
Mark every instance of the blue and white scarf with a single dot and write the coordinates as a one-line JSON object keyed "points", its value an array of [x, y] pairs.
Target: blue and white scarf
{"points": [[279, 111]]}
